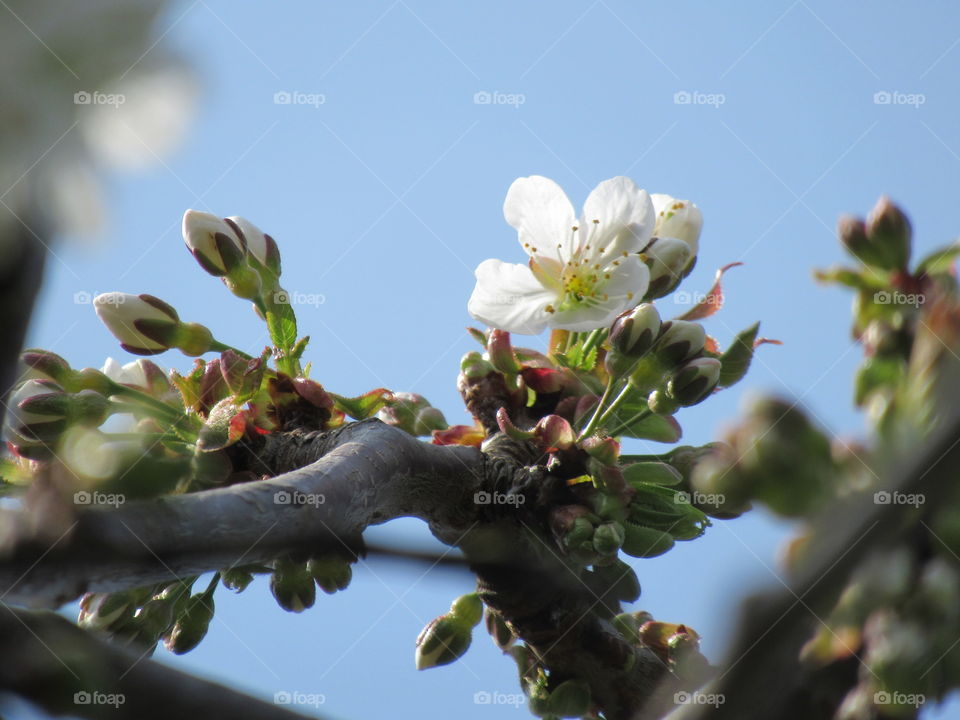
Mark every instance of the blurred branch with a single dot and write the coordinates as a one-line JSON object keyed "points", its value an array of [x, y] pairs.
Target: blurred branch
{"points": [[763, 676], [367, 473], [64, 670]]}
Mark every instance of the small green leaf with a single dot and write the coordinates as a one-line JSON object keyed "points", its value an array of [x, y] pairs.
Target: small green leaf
{"points": [[735, 362], [939, 261], [657, 473], [363, 406]]}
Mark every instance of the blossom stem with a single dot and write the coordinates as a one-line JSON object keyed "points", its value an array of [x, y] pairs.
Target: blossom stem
{"points": [[593, 340], [558, 341], [159, 407], [217, 346], [595, 419]]}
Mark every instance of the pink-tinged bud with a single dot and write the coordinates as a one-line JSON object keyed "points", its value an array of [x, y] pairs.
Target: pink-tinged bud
{"points": [[261, 246], [509, 429], [44, 364], [554, 433], [695, 381], [890, 233], [679, 219], [605, 450], [470, 435], [413, 414], [546, 381], [40, 410], [213, 242], [144, 324], [667, 258], [500, 352], [242, 375]]}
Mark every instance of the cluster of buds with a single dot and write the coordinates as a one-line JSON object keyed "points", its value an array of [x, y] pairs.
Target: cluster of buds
{"points": [[235, 250], [41, 411], [776, 456], [677, 646], [144, 616], [447, 638], [883, 242], [672, 253], [294, 583]]}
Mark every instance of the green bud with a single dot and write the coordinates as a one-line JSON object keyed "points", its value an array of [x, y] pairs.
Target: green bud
{"points": [[581, 532], [661, 403], [627, 625], [608, 538], [474, 367], [193, 339], [570, 699], [500, 352], [467, 609], [292, 586], [667, 259], [236, 579], [694, 382], [618, 580], [331, 572], [442, 641], [101, 611], [192, 624], [45, 365]]}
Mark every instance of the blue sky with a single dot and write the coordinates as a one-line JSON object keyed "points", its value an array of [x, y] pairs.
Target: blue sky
{"points": [[383, 183]]}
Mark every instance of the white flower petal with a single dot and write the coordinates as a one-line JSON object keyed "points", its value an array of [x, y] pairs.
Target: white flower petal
{"points": [[679, 219], [583, 318], [543, 216], [626, 216], [630, 276], [508, 296]]}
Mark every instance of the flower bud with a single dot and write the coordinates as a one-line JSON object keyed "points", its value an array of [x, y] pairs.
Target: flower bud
{"points": [[442, 641], [292, 586], [261, 246], [608, 538], [693, 382], [467, 609], [474, 367], [667, 258], [570, 699], [680, 340], [236, 579], [191, 627], [412, 413], [889, 232], [678, 219], [144, 324], [553, 433], [581, 531], [661, 403], [331, 572], [631, 336], [500, 352], [501, 633], [213, 242], [41, 410], [99, 611], [43, 364], [605, 450]]}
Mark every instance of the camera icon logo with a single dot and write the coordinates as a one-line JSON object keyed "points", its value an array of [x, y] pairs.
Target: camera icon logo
{"points": [[482, 498], [482, 697], [882, 97], [682, 97], [282, 698], [281, 97], [281, 497], [482, 97], [82, 97], [882, 497], [81, 698], [82, 497]]}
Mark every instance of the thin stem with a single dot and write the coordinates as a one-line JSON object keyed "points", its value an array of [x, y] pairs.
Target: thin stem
{"points": [[594, 339], [131, 393], [595, 419], [616, 403], [217, 346]]}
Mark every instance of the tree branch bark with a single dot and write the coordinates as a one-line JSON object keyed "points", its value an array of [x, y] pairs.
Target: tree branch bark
{"points": [[65, 670]]}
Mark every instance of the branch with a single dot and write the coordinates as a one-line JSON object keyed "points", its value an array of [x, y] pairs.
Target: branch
{"points": [[368, 473], [763, 677], [52, 663]]}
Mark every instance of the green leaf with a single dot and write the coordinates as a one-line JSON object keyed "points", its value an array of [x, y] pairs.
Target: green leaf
{"points": [[658, 473], [735, 362], [364, 406], [876, 373], [661, 428], [939, 261], [282, 321]]}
